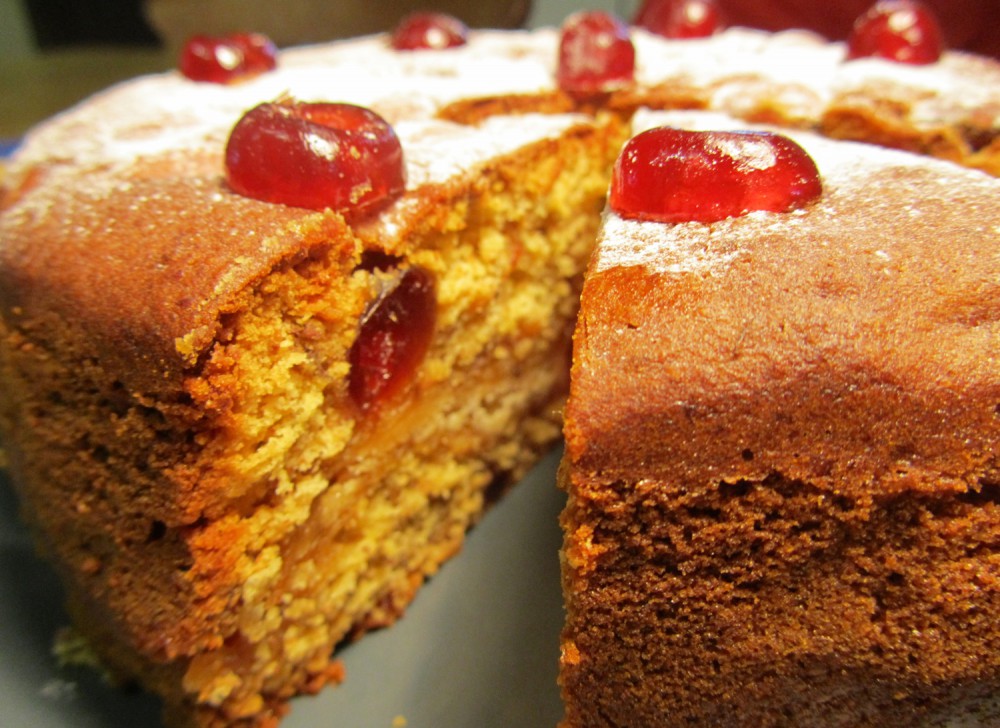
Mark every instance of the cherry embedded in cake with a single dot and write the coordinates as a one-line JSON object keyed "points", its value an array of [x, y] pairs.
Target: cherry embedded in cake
{"points": [[680, 18], [596, 54], [226, 59], [316, 155], [393, 337], [905, 31], [429, 31], [677, 175]]}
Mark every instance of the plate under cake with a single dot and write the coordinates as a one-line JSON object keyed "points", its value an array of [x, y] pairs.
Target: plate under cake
{"points": [[782, 444]]}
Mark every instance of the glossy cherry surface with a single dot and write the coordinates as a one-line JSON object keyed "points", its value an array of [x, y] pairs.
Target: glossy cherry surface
{"points": [[680, 18], [904, 31], [316, 155], [596, 54], [393, 339], [674, 175], [429, 31], [225, 59]]}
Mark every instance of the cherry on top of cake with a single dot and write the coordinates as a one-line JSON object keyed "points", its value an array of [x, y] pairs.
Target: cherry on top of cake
{"points": [[429, 31], [667, 174], [227, 59], [680, 18], [596, 54], [316, 155], [905, 31]]}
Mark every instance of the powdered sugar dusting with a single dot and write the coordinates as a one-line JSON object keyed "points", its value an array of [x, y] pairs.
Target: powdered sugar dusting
{"points": [[437, 150], [847, 170], [150, 115], [801, 73], [694, 248], [841, 164]]}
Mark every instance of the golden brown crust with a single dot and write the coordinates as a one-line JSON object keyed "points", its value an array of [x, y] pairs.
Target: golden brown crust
{"points": [[175, 251]]}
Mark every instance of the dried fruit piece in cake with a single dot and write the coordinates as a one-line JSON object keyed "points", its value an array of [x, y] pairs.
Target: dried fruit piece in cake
{"points": [[225, 59], [680, 18], [393, 336], [905, 31], [676, 175], [596, 54], [429, 31], [316, 155]]}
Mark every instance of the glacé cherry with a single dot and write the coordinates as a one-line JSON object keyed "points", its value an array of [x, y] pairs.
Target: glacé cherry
{"points": [[675, 175], [905, 31], [393, 339], [224, 59], [316, 155], [596, 54], [429, 31], [680, 18]]}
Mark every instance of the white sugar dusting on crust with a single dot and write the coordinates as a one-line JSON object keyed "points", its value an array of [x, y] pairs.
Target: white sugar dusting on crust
{"points": [[153, 114], [846, 168], [684, 249]]}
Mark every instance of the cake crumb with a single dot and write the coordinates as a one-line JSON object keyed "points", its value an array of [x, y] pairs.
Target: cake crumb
{"points": [[58, 690], [72, 649]]}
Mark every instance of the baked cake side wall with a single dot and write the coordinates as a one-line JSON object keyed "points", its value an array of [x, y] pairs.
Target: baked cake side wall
{"points": [[794, 581]]}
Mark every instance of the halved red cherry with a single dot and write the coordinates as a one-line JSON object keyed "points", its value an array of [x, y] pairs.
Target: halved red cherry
{"points": [[680, 18], [227, 58], [316, 155], [393, 339], [429, 31], [596, 54], [905, 31], [675, 175]]}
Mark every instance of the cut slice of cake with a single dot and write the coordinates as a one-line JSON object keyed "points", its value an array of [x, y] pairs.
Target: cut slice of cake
{"points": [[231, 468], [782, 444]]}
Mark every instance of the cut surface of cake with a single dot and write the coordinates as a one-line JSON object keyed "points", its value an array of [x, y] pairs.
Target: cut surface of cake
{"points": [[782, 445]]}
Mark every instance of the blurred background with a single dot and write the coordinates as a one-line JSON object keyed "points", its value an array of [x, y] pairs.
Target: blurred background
{"points": [[55, 52]]}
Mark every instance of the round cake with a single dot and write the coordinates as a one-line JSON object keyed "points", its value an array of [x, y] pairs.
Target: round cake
{"points": [[245, 428]]}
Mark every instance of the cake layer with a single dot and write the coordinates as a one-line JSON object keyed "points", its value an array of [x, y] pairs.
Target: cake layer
{"points": [[782, 468]]}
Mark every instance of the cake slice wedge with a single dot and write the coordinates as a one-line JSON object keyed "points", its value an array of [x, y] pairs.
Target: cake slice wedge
{"points": [[185, 409], [782, 444]]}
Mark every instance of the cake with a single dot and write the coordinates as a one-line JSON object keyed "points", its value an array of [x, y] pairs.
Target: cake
{"points": [[228, 479], [185, 440], [782, 442]]}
